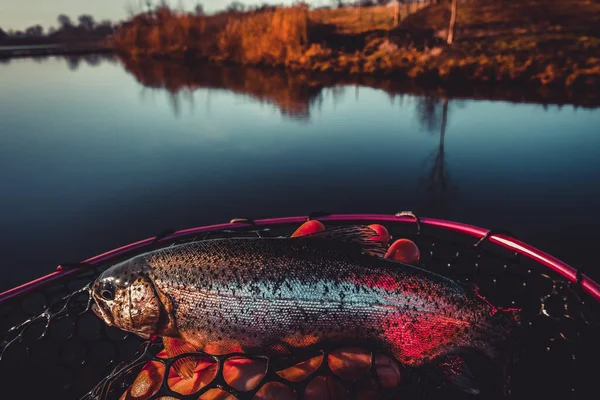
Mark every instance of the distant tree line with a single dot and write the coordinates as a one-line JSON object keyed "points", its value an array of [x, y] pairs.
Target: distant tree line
{"points": [[85, 26]]}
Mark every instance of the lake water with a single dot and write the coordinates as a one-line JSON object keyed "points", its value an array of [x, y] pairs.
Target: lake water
{"points": [[91, 158]]}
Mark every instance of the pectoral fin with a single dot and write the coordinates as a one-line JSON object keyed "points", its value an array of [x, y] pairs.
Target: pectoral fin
{"points": [[184, 366], [458, 373]]}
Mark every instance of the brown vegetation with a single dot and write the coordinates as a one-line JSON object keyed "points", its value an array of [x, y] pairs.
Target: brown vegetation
{"points": [[550, 43]]}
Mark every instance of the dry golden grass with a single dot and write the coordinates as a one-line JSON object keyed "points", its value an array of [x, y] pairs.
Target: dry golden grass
{"points": [[270, 37], [355, 20], [352, 20]]}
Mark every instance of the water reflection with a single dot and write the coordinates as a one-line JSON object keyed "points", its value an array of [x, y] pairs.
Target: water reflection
{"points": [[428, 112], [296, 93], [73, 60], [293, 95], [437, 179]]}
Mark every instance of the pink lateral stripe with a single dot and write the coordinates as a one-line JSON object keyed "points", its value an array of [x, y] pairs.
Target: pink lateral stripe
{"points": [[522, 248]]}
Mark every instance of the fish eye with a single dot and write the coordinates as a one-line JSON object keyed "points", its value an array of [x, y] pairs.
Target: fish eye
{"points": [[107, 291]]}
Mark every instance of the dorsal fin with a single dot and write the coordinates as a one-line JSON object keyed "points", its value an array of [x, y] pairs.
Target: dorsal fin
{"points": [[361, 236]]}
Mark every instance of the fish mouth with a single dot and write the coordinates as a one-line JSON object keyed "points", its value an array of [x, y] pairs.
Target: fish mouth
{"points": [[99, 310], [102, 313]]}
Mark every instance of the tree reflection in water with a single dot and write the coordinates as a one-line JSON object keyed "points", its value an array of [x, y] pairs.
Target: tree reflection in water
{"points": [[292, 95], [433, 115]]}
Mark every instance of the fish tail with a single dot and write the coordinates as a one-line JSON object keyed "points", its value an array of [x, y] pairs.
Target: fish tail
{"points": [[506, 320], [494, 334], [512, 315], [504, 336], [498, 328], [492, 341]]}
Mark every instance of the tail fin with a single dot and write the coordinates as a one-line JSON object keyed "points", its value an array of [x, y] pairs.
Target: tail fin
{"points": [[512, 314], [498, 332], [457, 372], [507, 319], [491, 356]]}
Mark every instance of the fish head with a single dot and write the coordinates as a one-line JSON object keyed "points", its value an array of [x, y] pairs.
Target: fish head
{"points": [[125, 296]]}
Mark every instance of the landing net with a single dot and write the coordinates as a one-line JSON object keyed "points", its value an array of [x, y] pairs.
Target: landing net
{"points": [[53, 346]]}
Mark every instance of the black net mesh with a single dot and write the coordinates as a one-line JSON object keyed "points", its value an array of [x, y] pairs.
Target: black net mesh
{"points": [[64, 351]]}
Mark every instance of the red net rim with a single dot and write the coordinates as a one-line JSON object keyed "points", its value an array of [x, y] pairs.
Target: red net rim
{"points": [[499, 239]]}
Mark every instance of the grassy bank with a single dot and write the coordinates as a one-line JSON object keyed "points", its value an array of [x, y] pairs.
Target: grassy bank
{"points": [[550, 44]]}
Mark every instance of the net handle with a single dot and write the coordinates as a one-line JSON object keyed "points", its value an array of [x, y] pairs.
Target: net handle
{"points": [[502, 240]]}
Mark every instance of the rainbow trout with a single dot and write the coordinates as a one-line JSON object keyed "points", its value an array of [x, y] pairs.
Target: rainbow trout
{"points": [[272, 295]]}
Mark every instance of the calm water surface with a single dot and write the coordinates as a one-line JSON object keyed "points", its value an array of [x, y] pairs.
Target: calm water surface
{"points": [[90, 159]]}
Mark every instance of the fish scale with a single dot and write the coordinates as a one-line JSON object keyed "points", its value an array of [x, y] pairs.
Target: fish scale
{"points": [[274, 287]]}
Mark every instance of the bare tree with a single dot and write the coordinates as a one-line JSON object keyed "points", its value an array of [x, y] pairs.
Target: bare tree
{"points": [[383, 2], [199, 9], [36, 31], [236, 6], [302, 4], [149, 6], [452, 22], [64, 21], [87, 22]]}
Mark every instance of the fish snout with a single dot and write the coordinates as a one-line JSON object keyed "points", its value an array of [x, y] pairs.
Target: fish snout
{"points": [[102, 314]]}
